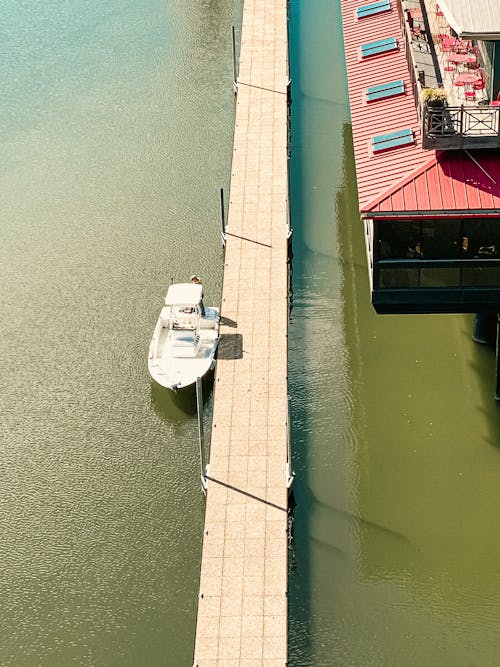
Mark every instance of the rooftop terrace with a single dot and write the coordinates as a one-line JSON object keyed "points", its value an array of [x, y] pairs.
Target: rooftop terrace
{"points": [[437, 59], [395, 134]]}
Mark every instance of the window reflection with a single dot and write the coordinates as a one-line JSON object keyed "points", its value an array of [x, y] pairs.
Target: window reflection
{"points": [[487, 276], [398, 278], [483, 238], [439, 239], [399, 240], [452, 241], [440, 277]]}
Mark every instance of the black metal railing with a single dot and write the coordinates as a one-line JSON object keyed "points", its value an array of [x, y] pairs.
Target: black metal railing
{"points": [[417, 273], [460, 127]]}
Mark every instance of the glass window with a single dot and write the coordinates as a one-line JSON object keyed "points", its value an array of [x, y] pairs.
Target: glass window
{"points": [[487, 58], [399, 239], [482, 238], [439, 277], [429, 239], [398, 278], [487, 276], [441, 239]]}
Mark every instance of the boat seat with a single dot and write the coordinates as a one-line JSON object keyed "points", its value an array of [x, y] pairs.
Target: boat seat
{"points": [[184, 324], [207, 323]]}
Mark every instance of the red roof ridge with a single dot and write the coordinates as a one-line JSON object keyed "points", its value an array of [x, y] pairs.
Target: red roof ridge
{"points": [[447, 181], [377, 171], [433, 160]]}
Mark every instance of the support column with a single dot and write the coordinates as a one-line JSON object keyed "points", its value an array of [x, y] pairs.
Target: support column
{"points": [[497, 366], [484, 328]]}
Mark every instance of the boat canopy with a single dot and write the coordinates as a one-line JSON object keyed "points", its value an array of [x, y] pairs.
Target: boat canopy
{"points": [[184, 294]]}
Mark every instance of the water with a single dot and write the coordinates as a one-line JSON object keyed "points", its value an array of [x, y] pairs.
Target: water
{"points": [[116, 126], [394, 424]]}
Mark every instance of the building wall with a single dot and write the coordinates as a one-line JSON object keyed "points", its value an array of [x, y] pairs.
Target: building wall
{"points": [[436, 265]]}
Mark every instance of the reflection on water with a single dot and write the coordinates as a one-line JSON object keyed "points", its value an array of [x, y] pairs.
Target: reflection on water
{"points": [[421, 415], [116, 126], [395, 428], [174, 406]]}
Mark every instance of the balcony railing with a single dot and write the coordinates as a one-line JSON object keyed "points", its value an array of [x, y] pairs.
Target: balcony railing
{"points": [[419, 273], [460, 127]]}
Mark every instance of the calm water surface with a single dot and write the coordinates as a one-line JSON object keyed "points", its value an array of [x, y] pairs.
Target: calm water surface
{"points": [[396, 432], [116, 127]]}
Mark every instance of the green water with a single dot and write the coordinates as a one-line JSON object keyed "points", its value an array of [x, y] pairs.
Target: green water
{"points": [[116, 127], [116, 133], [395, 426]]}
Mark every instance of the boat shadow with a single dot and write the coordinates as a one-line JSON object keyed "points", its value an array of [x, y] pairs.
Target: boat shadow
{"points": [[230, 347], [175, 406]]}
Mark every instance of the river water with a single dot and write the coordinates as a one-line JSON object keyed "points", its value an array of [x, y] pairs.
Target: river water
{"points": [[396, 432], [116, 127]]}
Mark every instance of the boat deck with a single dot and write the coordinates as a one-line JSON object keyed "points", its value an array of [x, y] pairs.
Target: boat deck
{"points": [[242, 610]]}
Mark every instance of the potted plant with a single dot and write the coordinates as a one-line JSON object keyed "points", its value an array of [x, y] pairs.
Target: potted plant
{"points": [[434, 97]]}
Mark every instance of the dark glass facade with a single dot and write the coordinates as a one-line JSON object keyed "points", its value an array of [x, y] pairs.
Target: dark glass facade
{"points": [[442, 265], [447, 239]]}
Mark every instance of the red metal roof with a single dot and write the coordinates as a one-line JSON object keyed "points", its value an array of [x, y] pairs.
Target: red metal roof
{"points": [[376, 173], [407, 178], [450, 181]]}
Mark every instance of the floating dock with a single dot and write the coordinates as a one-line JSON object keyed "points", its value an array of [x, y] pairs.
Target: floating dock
{"points": [[242, 608]]}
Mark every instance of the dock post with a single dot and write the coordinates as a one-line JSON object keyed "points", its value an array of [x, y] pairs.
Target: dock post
{"points": [[497, 365], [290, 475], [199, 406], [235, 73], [484, 328], [222, 218]]}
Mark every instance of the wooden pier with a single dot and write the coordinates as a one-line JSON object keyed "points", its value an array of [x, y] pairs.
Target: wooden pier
{"points": [[242, 608]]}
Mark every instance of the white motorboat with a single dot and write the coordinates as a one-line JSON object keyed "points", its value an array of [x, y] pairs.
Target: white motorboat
{"points": [[185, 338]]}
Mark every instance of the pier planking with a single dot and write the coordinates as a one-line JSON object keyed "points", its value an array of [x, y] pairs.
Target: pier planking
{"points": [[242, 608]]}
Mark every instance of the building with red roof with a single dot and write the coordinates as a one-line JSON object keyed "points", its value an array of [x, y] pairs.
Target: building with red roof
{"points": [[426, 133]]}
